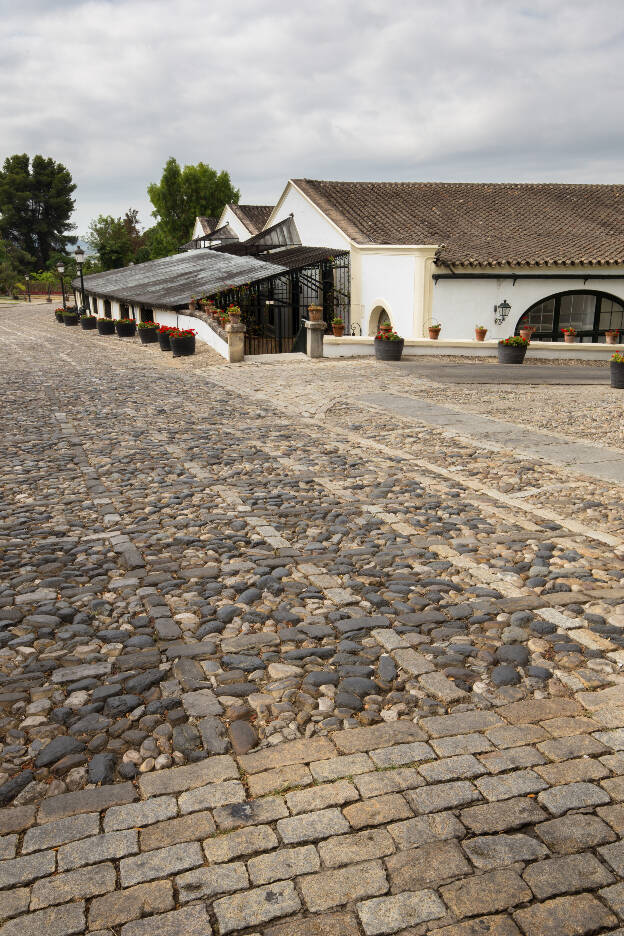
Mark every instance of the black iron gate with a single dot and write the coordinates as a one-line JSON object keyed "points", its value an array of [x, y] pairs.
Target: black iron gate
{"points": [[273, 309]]}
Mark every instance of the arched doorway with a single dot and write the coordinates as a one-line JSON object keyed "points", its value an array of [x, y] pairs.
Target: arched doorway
{"points": [[379, 316], [591, 313]]}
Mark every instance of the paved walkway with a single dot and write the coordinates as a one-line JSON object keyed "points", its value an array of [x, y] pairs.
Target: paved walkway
{"points": [[592, 460], [529, 374], [271, 662]]}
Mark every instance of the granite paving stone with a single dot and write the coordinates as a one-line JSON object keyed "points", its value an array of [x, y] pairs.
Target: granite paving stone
{"points": [[192, 920], [121, 906], [255, 907], [328, 889], [565, 916]]}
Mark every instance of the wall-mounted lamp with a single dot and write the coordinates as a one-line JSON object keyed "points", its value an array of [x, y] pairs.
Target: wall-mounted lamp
{"points": [[501, 312]]}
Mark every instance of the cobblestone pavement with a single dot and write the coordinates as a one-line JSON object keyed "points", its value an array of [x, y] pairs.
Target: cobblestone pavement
{"points": [[273, 662]]}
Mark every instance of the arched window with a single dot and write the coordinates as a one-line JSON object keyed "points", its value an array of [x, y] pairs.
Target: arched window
{"points": [[590, 313], [378, 317]]}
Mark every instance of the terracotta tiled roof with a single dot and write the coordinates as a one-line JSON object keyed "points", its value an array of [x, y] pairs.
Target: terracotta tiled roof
{"points": [[481, 224], [254, 217]]}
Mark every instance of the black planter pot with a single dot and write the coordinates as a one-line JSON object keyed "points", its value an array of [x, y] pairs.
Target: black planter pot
{"points": [[70, 318], [183, 347], [511, 354], [148, 335], [88, 322], [59, 317], [125, 329], [163, 341], [617, 374], [106, 326], [386, 350]]}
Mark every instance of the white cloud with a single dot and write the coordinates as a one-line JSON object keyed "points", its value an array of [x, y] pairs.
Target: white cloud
{"points": [[352, 89]]}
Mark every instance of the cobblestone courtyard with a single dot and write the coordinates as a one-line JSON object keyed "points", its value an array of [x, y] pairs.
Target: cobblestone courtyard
{"points": [[278, 660]]}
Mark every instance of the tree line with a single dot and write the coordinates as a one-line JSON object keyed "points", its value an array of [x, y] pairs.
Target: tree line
{"points": [[36, 205]]}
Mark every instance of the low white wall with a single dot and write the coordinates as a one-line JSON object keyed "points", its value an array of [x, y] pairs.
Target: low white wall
{"points": [[360, 347], [204, 332]]}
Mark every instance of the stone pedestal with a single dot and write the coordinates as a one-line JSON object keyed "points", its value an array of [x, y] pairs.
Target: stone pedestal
{"points": [[314, 338], [236, 343]]}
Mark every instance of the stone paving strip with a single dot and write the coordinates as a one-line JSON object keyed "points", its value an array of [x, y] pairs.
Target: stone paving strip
{"points": [[312, 678]]}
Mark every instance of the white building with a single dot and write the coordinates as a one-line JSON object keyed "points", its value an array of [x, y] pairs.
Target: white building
{"points": [[463, 255], [471, 254]]}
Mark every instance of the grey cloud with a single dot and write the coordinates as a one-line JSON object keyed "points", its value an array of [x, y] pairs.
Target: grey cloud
{"points": [[461, 89]]}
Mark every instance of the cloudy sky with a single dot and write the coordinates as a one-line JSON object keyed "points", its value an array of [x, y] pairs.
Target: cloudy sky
{"points": [[451, 90]]}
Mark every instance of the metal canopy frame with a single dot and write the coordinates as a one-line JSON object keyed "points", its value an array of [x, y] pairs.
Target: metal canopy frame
{"points": [[273, 308]]}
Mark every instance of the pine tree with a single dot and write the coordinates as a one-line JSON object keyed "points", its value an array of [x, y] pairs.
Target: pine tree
{"points": [[36, 205]]}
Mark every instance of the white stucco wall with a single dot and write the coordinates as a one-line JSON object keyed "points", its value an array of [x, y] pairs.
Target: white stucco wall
{"points": [[463, 303], [198, 230], [228, 217], [396, 279], [204, 332], [314, 229]]}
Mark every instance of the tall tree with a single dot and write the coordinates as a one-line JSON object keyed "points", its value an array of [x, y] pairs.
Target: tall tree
{"points": [[36, 205], [183, 194], [116, 240]]}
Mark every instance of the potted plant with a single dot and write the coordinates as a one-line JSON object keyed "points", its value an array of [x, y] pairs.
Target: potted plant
{"points": [[163, 337], [88, 322], [125, 328], [338, 326], [105, 326], [512, 350], [58, 314], [617, 370], [526, 331], [569, 335], [388, 346], [434, 331], [612, 336], [234, 314], [315, 313], [182, 341], [148, 332], [480, 332], [70, 317]]}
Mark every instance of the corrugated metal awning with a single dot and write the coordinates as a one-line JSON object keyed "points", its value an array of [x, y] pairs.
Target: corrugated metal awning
{"points": [[169, 283]]}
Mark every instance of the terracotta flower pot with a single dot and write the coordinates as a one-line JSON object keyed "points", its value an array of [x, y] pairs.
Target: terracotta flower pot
{"points": [[434, 333], [338, 330], [315, 313], [527, 333], [612, 337], [480, 333], [569, 339]]}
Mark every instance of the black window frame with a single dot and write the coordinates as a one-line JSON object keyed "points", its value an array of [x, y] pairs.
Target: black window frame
{"points": [[596, 333]]}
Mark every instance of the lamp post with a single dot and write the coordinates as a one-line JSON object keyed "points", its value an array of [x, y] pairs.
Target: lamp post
{"points": [[61, 269], [79, 255], [27, 278]]}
